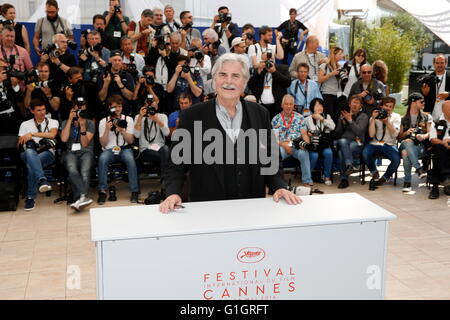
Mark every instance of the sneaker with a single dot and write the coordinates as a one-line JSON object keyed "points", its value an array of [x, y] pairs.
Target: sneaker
{"points": [[75, 205], [407, 187], [434, 193], [29, 204], [343, 184], [328, 182], [134, 197], [44, 186], [84, 201], [101, 198], [421, 173], [381, 181]]}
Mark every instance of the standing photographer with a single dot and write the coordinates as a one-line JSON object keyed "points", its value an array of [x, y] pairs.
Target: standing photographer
{"points": [[199, 60], [290, 29], [187, 31], [414, 136], [10, 114], [226, 29], [78, 133], [265, 45], [142, 33], [169, 13], [147, 86], [436, 87], [161, 29], [8, 49], [9, 13], [99, 23], [116, 23], [116, 133], [354, 69], [134, 63], [94, 57], [37, 138], [384, 127]]}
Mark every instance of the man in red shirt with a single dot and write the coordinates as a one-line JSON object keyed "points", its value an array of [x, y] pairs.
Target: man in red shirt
{"points": [[142, 38]]}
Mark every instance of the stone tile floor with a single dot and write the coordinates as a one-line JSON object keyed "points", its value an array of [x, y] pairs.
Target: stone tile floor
{"points": [[41, 250]]}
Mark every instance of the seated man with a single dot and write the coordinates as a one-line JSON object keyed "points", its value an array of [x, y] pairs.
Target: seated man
{"points": [[290, 125], [116, 135], [384, 127], [184, 102], [77, 133], [440, 138], [351, 128], [37, 138]]}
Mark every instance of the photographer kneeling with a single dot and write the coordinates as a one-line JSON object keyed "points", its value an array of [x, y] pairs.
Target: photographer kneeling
{"points": [[319, 126], [151, 129], [78, 133], [414, 136], [116, 135], [37, 138]]}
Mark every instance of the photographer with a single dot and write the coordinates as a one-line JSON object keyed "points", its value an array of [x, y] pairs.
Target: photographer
{"points": [[61, 60], [311, 56], [134, 63], [187, 31], [115, 81], [436, 87], [354, 69], [264, 46], [332, 78], [319, 125], [147, 85], [47, 27], [9, 13], [440, 138], [43, 90], [369, 89], [304, 90], [99, 23], [293, 137], [74, 89], [8, 48], [169, 13], [151, 129], [161, 29], [116, 133], [414, 136], [184, 80], [351, 130], [212, 43], [226, 29], [116, 23], [384, 127], [10, 114], [199, 60], [248, 34], [142, 37], [290, 29], [269, 84], [78, 133], [94, 57], [37, 138], [184, 102]]}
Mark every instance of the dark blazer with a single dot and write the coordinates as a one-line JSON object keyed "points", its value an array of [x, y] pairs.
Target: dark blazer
{"points": [[430, 99], [234, 30], [207, 181], [281, 81]]}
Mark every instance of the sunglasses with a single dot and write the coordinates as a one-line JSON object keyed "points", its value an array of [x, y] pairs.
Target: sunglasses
{"points": [[367, 72]]}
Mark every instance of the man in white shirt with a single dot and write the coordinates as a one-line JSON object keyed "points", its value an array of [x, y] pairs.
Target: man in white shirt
{"points": [[37, 138], [116, 134], [264, 46], [384, 127], [204, 61]]}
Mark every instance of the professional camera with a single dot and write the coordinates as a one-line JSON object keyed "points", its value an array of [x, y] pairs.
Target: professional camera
{"points": [[224, 17], [94, 72], [150, 80], [300, 143], [42, 84], [197, 71], [6, 22], [98, 47], [414, 134], [118, 123], [382, 115], [161, 42], [315, 140], [154, 197], [5, 104], [52, 51], [428, 79], [72, 45], [249, 36], [132, 68], [117, 9], [377, 96], [269, 64], [342, 78], [43, 145], [187, 26], [149, 100], [185, 68], [151, 111]]}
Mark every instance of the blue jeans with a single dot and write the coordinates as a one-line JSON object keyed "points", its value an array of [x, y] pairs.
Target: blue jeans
{"points": [[79, 167], [385, 150], [303, 157], [126, 156], [412, 159], [327, 161], [348, 150], [35, 164]]}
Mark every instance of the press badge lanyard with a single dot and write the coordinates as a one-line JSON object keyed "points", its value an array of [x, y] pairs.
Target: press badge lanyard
{"points": [[267, 80], [38, 126], [304, 93], [287, 126], [76, 134], [312, 65], [438, 87], [59, 23]]}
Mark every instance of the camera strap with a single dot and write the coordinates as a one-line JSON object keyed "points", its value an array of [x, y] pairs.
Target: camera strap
{"points": [[314, 66], [5, 56], [39, 128], [58, 24], [439, 83], [382, 137], [118, 134], [147, 131], [304, 93], [76, 133]]}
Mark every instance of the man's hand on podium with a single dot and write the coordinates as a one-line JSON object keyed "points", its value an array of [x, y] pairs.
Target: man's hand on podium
{"points": [[170, 204], [287, 195]]}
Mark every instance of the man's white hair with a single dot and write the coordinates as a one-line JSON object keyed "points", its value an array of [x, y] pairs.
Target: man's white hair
{"points": [[56, 36], [211, 34]]}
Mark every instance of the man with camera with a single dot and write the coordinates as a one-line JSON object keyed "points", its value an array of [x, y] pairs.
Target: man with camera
{"points": [[184, 102], [142, 38], [99, 23], [440, 138], [414, 136], [134, 63], [198, 60], [115, 81], [290, 29], [186, 30], [384, 127], [116, 23], [293, 139], [151, 128], [311, 56], [146, 86], [10, 113], [274, 51], [369, 89], [212, 43], [15, 55], [226, 29], [183, 80], [47, 27], [436, 87], [269, 84], [94, 57], [36, 136], [77, 133], [161, 29], [75, 88], [169, 13], [116, 133], [304, 90]]}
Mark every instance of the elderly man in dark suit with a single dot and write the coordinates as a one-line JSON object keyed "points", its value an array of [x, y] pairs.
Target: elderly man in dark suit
{"points": [[226, 120]]}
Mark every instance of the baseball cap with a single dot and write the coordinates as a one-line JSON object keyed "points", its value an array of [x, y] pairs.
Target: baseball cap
{"points": [[413, 97], [236, 41], [115, 53]]}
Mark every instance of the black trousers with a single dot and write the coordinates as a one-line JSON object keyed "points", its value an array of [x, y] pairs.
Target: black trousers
{"points": [[441, 164], [273, 108], [332, 106], [157, 158]]}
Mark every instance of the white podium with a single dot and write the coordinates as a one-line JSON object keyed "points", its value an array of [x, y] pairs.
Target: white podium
{"points": [[329, 247]]}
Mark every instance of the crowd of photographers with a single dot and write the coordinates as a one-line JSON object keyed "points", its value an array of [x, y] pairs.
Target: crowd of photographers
{"points": [[119, 98]]}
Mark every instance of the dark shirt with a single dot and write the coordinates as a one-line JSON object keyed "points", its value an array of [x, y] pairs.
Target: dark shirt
{"points": [[115, 26], [290, 30], [59, 77], [128, 82], [19, 39]]}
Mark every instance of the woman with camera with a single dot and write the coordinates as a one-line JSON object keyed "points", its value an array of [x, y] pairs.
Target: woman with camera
{"points": [[414, 136], [329, 79], [9, 13], [319, 126], [354, 69]]}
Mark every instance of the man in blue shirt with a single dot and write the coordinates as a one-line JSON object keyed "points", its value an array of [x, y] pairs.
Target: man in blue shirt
{"points": [[184, 101], [304, 90]]}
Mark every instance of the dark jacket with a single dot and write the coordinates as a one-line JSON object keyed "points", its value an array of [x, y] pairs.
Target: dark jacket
{"points": [[357, 129], [234, 30], [430, 99], [280, 82], [208, 181]]}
